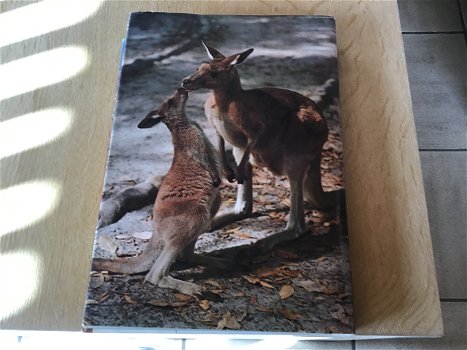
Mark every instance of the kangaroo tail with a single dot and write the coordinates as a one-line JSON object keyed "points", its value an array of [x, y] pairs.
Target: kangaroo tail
{"points": [[138, 264], [313, 190]]}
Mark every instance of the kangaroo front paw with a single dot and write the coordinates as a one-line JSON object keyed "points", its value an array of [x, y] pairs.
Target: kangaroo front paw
{"points": [[241, 176], [229, 174]]}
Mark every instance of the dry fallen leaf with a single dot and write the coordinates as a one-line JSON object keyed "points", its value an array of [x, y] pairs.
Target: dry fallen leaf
{"points": [[104, 296], [281, 278], [333, 329], [346, 320], [337, 311], [286, 292], [268, 271], [274, 215], [265, 284], [214, 283], [228, 321], [286, 202], [316, 286], [251, 279], [255, 280], [91, 302], [210, 316], [262, 181], [309, 285], [290, 315], [204, 304], [183, 297], [143, 235], [128, 299], [159, 303], [237, 294], [232, 230], [242, 235], [262, 308]]}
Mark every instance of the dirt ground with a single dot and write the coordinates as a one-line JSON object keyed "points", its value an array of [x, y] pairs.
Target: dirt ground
{"points": [[301, 286]]}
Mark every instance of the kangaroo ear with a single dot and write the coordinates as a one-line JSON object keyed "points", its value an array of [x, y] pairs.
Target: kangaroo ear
{"points": [[150, 120], [239, 57], [213, 53]]}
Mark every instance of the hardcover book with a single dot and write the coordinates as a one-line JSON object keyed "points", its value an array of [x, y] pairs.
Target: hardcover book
{"points": [[223, 208]]}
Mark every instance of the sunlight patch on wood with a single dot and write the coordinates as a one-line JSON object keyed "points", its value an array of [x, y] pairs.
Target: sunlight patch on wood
{"points": [[42, 18], [20, 276], [33, 130], [23, 205], [42, 69]]}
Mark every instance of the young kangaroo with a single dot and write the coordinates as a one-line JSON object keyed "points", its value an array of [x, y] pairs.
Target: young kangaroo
{"points": [[281, 130], [187, 200]]}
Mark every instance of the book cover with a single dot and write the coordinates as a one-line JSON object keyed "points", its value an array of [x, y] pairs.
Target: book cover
{"points": [[223, 208]]}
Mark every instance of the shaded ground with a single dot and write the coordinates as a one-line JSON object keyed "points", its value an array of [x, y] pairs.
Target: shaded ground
{"points": [[301, 286], [315, 266]]}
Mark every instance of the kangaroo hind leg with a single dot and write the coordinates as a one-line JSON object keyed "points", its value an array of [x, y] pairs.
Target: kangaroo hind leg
{"points": [[296, 214], [159, 273], [132, 265], [296, 225]]}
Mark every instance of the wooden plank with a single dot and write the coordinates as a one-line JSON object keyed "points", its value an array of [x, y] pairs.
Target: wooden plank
{"points": [[391, 254]]}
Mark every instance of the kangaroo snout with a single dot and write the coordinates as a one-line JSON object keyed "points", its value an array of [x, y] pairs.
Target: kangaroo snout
{"points": [[195, 81], [187, 83]]}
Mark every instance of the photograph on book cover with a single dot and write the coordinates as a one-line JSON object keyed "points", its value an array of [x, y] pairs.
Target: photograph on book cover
{"points": [[223, 203]]}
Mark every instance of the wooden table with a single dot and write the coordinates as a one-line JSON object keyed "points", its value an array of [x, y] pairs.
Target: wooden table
{"points": [[51, 182]]}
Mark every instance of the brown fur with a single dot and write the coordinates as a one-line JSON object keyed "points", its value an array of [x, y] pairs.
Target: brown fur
{"points": [[281, 129], [187, 200]]}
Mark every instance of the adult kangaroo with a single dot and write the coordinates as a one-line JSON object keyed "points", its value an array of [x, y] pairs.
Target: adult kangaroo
{"points": [[187, 200], [269, 127]]}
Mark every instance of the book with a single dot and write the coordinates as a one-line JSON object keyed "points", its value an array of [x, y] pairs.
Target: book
{"points": [[244, 183]]}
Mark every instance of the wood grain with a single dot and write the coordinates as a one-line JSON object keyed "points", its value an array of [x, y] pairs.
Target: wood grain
{"points": [[392, 261]]}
